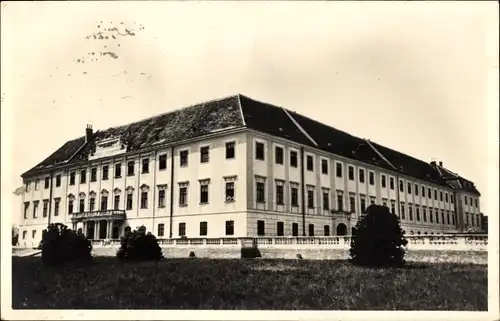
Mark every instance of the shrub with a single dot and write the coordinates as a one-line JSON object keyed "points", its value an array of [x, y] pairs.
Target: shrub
{"points": [[15, 235], [60, 244], [379, 240], [139, 246]]}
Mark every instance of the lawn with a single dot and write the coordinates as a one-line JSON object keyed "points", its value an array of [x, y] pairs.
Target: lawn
{"points": [[247, 284]]}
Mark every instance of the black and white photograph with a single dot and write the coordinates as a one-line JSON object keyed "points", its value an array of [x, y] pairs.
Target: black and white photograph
{"points": [[249, 160]]}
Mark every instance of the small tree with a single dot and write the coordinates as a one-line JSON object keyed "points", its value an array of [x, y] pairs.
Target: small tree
{"points": [[15, 235], [139, 246], [60, 244], [378, 240]]}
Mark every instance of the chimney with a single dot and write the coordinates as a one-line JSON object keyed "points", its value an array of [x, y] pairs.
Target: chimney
{"points": [[433, 163], [89, 133], [440, 164]]}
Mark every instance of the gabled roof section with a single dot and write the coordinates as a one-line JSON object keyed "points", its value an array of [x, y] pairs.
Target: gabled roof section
{"points": [[455, 180], [175, 126]]}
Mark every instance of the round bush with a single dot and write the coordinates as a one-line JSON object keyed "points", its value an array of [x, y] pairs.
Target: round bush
{"points": [[139, 246], [60, 244], [378, 240]]}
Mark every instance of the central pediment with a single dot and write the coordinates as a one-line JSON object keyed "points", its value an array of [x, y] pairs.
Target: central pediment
{"points": [[110, 146]]}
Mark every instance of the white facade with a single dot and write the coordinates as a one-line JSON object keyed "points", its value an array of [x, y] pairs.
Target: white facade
{"points": [[262, 200]]}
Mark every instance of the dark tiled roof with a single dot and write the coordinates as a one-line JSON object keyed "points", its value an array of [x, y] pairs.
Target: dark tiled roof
{"points": [[238, 111]]}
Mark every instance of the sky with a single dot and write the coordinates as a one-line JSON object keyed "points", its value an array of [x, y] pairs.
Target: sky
{"points": [[418, 77]]}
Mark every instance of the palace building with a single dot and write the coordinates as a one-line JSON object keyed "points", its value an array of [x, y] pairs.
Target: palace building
{"points": [[236, 167]]}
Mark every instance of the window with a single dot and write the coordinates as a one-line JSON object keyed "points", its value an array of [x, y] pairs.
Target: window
{"points": [[350, 173], [230, 150], [105, 172], [384, 203], [279, 195], [416, 190], [117, 202], [442, 217], [295, 196], [24, 234], [204, 154], [47, 182], [437, 216], [28, 183], [391, 183], [476, 202], [393, 208], [183, 196], [424, 214], [104, 203], [423, 191], [70, 207], [309, 163], [417, 212], [324, 166], [338, 169], [429, 195], [435, 194], [441, 196], [361, 175], [446, 197], [453, 218], [280, 228], [448, 218], [82, 205], [326, 230], [229, 191], [130, 168], [33, 234], [431, 217], [129, 202], [293, 159], [401, 186], [58, 180], [161, 198], [162, 162], [259, 151], [311, 229], [352, 204], [229, 228], [182, 229], [144, 200], [161, 230], [372, 200], [310, 199], [260, 192], [204, 228], [326, 200], [409, 188], [278, 155], [204, 194], [261, 228], [465, 200], [410, 212], [45, 208], [91, 204], [57, 201], [371, 178], [83, 176], [145, 165], [363, 205], [183, 155], [295, 229], [383, 182], [93, 174], [402, 211], [340, 202], [118, 170]]}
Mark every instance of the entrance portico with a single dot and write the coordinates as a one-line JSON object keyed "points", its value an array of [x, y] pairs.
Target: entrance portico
{"points": [[98, 225]]}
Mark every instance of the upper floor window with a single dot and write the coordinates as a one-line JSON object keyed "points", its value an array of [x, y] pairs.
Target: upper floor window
{"points": [[409, 188], [371, 178], [350, 173], [131, 168], [383, 181], [105, 172], [401, 186], [162, 162], [260, 192], [429, 193], [293, 159], [309, 163], [47, 182], [28, 183], [230, 153], [183, 195], [204, 193], [83, 176], [361, 175], [229, 191], [423, 191], [416, 190], [144, 200], [118, 170], [446, 197], [295, 196], [435, 194], [259, 150], [145, 165], [58, 180], [324, 166], [441, 196], [326, 200], [279, 194], [93, 174], [204, 154], [161, 198], [477, 202], [278, 157], [338, 170], [183, 158], [310, 198], [37, 184], [391, 183]]}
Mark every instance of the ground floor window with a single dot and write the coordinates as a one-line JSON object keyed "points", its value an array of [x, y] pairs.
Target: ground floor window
{"points": [[295, 229], [261, 228], [182, 229], [327, 230], [280, 228], [161, 229], [203, 228], [311, 229], [229, 227]]}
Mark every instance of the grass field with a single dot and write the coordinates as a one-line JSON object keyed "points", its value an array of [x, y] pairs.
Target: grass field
{"points": [[247, 284]]}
